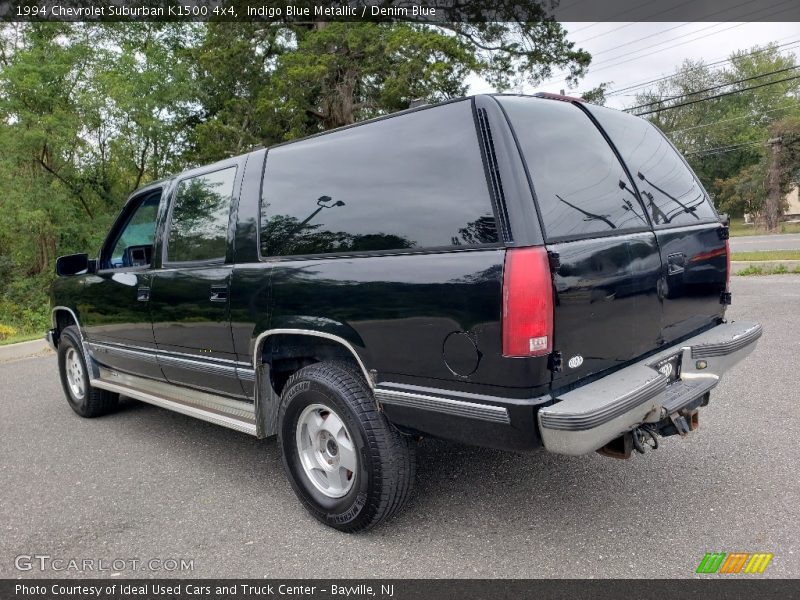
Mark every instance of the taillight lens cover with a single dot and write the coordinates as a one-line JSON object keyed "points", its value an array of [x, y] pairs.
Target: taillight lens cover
{"points": [[527, 303]]}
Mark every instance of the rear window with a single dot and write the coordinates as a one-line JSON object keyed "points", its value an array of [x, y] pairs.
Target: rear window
{"points": [[411, 181], [581, 187], [199, 226], [670, 191]]}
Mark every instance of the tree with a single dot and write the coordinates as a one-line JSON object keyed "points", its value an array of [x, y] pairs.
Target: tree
{"points": [[91, 111], [784, 166], [724, 137], [269, 82]]}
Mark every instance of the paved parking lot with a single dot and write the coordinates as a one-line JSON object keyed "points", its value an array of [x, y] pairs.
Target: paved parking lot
{"points": [[146, 483]]}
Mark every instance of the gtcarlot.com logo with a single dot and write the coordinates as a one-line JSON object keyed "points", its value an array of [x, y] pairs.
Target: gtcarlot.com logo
{"points": [[724, 563], [45, 562]]}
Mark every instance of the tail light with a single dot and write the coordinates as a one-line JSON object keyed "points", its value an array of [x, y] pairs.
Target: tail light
{"points": [[527, 303]]}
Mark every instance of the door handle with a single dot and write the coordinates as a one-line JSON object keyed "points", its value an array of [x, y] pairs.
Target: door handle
{"points": [[219, 293], [143, 294]]}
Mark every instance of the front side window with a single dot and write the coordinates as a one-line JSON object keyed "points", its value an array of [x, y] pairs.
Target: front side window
{"points": [[412, 181], [669, 189], [581, 187], [199, 226], [134, 244]]}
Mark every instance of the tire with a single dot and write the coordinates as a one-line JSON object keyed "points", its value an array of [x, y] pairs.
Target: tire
{"points": [[315, 401], [82, 397]]}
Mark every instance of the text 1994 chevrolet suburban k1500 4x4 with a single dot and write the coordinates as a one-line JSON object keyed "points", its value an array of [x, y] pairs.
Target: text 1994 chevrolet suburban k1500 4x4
{"points": [[507, 271]]}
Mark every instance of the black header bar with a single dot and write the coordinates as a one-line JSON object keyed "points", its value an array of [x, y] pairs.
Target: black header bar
{"points": [[423, 11]]}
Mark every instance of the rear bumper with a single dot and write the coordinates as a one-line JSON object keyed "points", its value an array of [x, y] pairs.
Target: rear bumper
{"points": [[589, 417]]}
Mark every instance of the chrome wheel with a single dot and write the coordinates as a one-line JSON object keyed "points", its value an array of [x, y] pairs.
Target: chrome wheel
{"points": [[73, 365], [326, 450]]}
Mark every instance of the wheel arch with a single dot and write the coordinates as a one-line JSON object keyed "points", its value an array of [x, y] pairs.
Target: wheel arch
{"points": [[63, 317], [274, 364]]}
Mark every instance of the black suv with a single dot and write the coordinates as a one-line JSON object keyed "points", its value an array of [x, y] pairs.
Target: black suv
{"points": [[506, 271]]}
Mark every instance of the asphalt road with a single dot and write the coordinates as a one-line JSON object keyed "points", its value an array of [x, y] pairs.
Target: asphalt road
{"points": [[752, 243], [146, 483]]}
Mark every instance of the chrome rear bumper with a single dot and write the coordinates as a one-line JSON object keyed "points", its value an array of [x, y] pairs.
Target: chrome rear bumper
{"points": [[589, 417]]}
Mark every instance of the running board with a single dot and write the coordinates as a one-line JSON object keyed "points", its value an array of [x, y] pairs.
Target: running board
{"points": [[218, 410]]}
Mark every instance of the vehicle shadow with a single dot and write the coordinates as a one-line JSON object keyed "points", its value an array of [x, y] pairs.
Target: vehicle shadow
{"points": [[505, 493]]}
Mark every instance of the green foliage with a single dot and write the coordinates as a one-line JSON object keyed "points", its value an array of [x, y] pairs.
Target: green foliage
{"points": [[89, 112], [735, 128]]}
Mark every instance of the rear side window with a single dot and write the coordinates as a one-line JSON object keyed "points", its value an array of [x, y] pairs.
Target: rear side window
{"points": [[411, 181], [199, 225], [580, 185], [670, 191]]}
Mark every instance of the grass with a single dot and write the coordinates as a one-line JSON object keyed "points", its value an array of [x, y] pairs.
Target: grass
{"points": [[739, 228], [14, 339], [770, 270], [767, 255]]}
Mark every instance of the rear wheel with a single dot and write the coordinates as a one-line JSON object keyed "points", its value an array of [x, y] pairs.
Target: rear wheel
{"points": [[81, 396], [350, 468]]}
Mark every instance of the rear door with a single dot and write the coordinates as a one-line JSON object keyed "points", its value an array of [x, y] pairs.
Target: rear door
{"points": [[606, 263], [189, 300], [689, 234]]}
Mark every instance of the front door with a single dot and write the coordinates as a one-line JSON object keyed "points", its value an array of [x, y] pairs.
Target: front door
{"points": [[115, 311], [189, 299]]}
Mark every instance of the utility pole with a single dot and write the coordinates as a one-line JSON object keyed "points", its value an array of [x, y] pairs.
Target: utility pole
{"points": [[773, 208]]}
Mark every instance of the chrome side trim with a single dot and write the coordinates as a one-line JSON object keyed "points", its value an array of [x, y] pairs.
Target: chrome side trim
{"points": [[233, 414], [153, 355], [458, 408], [269, 332], [100, 347], [197, 365], [246, 374]]}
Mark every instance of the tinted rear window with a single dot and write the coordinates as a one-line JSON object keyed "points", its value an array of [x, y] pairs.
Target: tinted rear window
{"points": [[412, 181], [580, 186], [199, 225], [669, 189]]}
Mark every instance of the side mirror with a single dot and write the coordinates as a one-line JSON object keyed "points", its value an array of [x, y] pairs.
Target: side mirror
{"points": [[72, 264], [725, 219]]}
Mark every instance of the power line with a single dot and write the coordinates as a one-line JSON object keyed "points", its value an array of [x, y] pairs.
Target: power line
{"points": [[613, 64], [701, 126], [712, 88], [627, 10], [617, 92], [747, 89], [723, 149], [671, 29], [616, 64]]}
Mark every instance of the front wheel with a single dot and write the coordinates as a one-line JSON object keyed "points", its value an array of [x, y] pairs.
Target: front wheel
{"points": [[350, 468], [81, 396]]}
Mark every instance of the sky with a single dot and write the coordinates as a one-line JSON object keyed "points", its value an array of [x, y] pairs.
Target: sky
{"points": [[629, 53]]}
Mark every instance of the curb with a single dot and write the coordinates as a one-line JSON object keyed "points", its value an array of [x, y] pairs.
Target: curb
{"points": [[741, 265], [23, 350]]}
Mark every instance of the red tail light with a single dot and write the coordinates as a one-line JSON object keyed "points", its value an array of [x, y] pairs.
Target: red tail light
{"points": [[527, 303], [727, 264]]}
